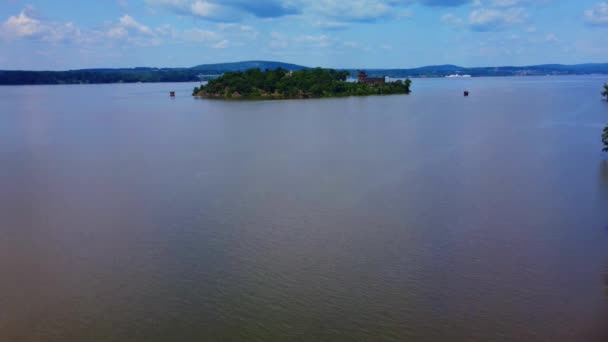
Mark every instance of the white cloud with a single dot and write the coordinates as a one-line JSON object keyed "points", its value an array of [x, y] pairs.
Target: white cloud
{"points": [[331, 25], [598, 15], [221, 44], [204, 9], [209, 10], [166, 31], [354, 10], [451, 19], [445, 3], [306, 42], [490, 19], [228, 10], [127, 29], [322, 10], [200, 35], [509, 3], [551, 37], [128, 22], [24, 25], [238, 31], [312, 40], [64, 32]]}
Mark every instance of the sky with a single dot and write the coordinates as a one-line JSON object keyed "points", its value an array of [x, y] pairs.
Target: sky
{"points": [[70, 34]]}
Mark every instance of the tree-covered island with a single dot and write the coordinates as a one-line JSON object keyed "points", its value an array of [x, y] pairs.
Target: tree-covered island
{"points": [[605, 138], [283, 84], [605, 132]]}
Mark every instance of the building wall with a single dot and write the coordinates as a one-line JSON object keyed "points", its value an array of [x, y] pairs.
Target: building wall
{"points": [[362, 77]]}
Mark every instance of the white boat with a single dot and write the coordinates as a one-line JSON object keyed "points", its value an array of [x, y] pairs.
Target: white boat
{"points": [[458, 76]]}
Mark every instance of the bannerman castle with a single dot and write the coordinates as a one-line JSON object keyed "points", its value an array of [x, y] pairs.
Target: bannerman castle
{"points": [[362, 77]]}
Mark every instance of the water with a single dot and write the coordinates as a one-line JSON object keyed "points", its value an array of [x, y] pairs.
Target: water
{"points": [[129, 216]]}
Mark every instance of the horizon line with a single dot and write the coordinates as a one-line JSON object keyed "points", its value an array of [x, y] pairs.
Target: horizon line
{"points": [[305, 66]]}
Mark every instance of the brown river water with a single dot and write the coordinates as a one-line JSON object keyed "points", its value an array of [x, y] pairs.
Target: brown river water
{"points": [[129, 216]]}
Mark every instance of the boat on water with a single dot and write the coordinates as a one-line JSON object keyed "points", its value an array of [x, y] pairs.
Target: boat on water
{"points": [[458, 76]]}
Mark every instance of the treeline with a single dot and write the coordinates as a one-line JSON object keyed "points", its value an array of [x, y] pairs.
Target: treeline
{"points": [[97, 76], [605, 132], [307, 83]]}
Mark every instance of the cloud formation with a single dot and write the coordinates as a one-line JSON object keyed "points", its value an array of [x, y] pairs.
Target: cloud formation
{"points": [[445, 3], [493, 15], [127, 24], [598, 15], [126, 31], [355, 10], [489, 19], [26, 26], [227, 10], [452, 20], [177, 32], [338, 11]]}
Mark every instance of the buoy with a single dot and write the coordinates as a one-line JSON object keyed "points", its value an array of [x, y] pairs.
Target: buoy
{"points": [[172, 94], [466, 93]]}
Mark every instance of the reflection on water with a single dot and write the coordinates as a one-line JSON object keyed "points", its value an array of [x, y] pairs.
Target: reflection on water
{"points": [[603, 181], [606, 283], [129, 216], [600, 333], [604, 172]]}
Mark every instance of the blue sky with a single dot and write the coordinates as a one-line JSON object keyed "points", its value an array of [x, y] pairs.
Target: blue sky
{"points": [[54, 35]]}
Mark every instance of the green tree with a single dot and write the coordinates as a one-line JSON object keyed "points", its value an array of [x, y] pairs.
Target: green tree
{"points": [[408, 83], [605, 139], [605, 134]]}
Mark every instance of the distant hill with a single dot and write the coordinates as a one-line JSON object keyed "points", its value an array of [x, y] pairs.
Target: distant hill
{"points": [[207, 71], [134, 75], [533, 70], [242, 66], [446, 67], [98, 76]]}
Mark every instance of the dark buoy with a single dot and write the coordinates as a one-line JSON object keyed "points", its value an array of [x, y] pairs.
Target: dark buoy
{"points": [[466, 93], [172, 94]]}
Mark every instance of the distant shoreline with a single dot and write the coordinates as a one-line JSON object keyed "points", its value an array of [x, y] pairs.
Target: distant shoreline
{"points": [[210, 71], [391, 77]]}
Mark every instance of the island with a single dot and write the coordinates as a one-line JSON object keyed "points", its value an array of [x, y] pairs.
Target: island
{"points": [[605, 132], [281, 83], [605, 139]]}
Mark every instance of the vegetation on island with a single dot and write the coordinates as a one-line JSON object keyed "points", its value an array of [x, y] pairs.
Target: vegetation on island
{"points": [[605, 139], [283, 84], [605, 134]]}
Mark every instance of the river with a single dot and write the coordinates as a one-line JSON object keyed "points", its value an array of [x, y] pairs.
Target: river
{"points": [[126, 215]]}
